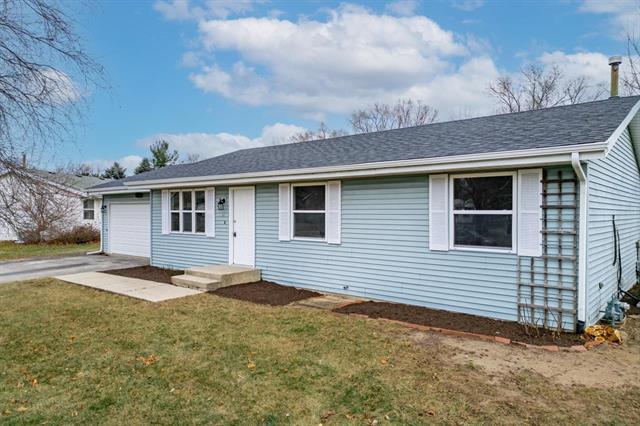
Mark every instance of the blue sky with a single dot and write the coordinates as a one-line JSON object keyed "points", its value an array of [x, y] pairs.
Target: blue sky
{"points": [[213, 76]]}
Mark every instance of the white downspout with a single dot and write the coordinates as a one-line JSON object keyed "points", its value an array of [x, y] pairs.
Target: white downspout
{"points": [[582, 240]]}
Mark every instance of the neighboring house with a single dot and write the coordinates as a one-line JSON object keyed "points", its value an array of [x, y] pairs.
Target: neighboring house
{"points": [[507, 216], [83, 208]]}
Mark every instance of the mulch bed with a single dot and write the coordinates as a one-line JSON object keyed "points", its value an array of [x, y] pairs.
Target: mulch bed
{"points": [[458, 322], [265, 293], [150, 273]]}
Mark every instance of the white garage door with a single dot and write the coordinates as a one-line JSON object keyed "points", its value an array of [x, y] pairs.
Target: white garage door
{"points": [[129, 229]]}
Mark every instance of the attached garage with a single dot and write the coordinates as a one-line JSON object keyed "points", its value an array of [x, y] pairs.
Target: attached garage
{"points": [[126, 224], [129, 229]]}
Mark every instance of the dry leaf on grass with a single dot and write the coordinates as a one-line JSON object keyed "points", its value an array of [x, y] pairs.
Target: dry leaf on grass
{"points": [[250, 364], [151, 359]]}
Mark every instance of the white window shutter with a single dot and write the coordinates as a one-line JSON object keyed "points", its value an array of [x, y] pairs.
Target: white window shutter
{"points": [[334, 212], [439, 212], [210, 212], [529, 212], [284, 210], [165, 211]]}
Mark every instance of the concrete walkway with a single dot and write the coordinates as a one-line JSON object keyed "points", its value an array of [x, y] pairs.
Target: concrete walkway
{"points": [[150, 291], [18, 270]]}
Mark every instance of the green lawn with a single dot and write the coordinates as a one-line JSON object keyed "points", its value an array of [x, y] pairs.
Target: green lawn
{"points": [[10, 250], [75, 355]]}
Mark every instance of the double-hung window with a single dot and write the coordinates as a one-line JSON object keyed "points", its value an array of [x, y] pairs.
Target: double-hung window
{"points": [[482, 211], [309, 211], [88, 209], [187, 210]]}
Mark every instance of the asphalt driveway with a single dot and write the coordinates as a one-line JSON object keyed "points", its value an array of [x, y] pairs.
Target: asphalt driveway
{"points": [[39, 268]]}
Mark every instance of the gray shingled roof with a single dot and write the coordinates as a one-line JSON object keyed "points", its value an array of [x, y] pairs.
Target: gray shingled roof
{"points": [[585, 123], [78, 182]]}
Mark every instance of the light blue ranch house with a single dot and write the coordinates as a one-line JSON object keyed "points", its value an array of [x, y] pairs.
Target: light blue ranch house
{"points": [[508, 216]]}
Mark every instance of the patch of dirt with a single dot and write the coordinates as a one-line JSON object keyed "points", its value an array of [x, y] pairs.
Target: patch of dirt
{"points": [[150, 273], [265, 293], [603, 366], [458, 322]]}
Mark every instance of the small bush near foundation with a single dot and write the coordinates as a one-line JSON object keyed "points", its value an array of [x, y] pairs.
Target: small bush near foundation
{"points": [[80, 234]]}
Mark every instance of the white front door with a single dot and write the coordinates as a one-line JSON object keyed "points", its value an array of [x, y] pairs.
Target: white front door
{"points": [[242, 226]]}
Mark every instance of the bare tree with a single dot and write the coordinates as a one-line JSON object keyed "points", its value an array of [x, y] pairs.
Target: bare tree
{"points": [[404, 113], [538, 88], [323, 132], [44, 72], [35, 209], [379, 116], [631, 78], [79, 169], [192, 158]]}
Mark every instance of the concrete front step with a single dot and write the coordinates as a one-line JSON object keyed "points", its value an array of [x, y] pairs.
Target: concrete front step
{"points": [[191, 281], [215, 276]]}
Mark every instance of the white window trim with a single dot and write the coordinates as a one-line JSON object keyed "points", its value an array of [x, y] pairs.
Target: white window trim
{"points": [[513, 212], [193, 212], [93, 209], [293, 211]]}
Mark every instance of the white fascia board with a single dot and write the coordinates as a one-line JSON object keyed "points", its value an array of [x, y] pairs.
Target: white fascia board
{"points": [[119, 190], [611, 141]]}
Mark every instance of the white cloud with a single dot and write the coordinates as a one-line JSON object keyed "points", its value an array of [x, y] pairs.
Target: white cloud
{"points": [[208, 145], [624, 15], [352, 59], [60, 87], [607, 6], [184, 10], [190, 60], [467, 5], [178, 10], [402, 7], [592, 65], [224, 8]]}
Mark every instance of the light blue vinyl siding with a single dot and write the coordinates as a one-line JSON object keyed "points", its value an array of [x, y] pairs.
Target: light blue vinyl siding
{"points": [[116, 198], [181, 251], [614, 189], [384, 253]]}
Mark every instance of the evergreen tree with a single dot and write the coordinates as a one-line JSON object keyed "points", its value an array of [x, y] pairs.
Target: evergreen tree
{"points": [[144, 166], [161, 156], [115, 172]]}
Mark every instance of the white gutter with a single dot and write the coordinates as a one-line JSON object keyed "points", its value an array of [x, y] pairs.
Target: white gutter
{"points": [[511, 159], [582, 239]]}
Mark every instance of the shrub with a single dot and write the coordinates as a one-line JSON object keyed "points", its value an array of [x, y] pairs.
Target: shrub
{"points": [[80, 234]]}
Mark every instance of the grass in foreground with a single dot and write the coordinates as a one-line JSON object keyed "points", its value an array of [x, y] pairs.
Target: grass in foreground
{"points": [[75, 355], [10, 250]]}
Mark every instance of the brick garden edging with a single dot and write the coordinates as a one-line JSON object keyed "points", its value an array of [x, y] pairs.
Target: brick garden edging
{"points": [[477, 336]]}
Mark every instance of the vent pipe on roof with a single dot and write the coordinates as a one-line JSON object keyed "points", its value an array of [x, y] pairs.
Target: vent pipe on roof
{"points": [[615, 62]]}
